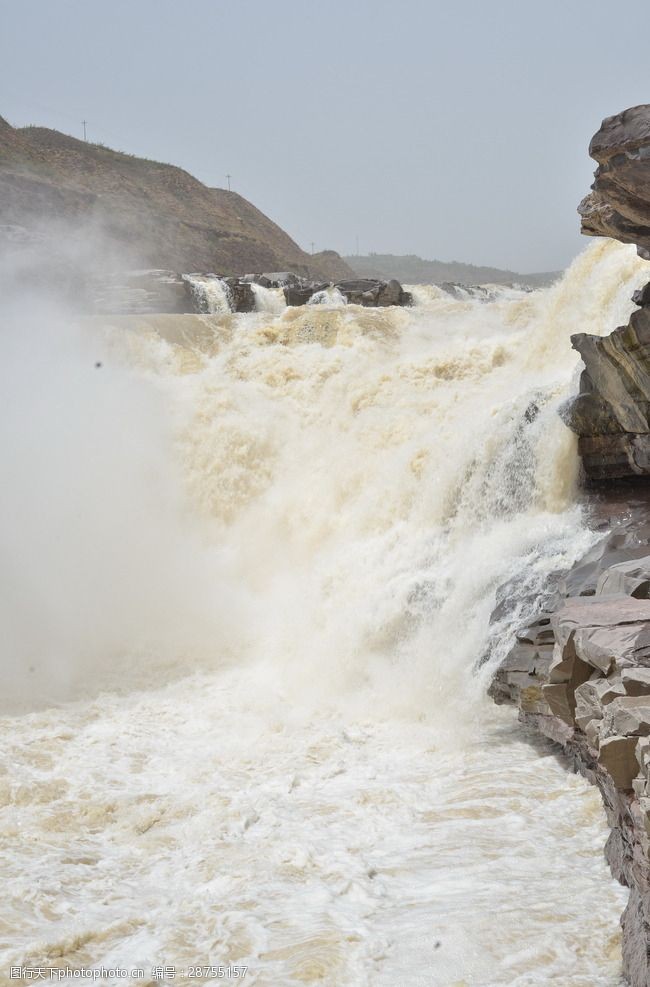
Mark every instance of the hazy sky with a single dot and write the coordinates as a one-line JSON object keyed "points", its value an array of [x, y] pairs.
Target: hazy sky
{"points": [[455, 129]]}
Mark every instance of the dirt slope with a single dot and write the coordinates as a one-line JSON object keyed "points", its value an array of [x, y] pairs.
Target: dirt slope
{"points": [[155, 215]]}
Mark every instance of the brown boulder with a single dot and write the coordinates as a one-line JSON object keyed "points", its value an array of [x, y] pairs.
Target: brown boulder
{"points": [[617, 756]]}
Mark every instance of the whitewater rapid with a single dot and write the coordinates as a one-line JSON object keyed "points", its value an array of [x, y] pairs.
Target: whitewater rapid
{"points": [[245, 722]]}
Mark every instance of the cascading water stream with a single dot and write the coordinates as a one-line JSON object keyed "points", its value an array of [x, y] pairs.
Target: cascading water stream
{"points": [[269, 300], [276, 750], [328, 296], [211, 294]]}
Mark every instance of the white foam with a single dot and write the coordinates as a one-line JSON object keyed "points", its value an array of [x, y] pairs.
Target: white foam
{"points": [[268, 299], [310, 780], [212, 294], [331, 296]]}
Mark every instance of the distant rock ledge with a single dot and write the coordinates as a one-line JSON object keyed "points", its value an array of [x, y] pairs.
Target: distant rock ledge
{"points": [[142, 292]]}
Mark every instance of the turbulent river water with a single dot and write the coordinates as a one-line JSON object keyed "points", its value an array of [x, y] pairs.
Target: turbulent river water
{"points": [[252, 564]]}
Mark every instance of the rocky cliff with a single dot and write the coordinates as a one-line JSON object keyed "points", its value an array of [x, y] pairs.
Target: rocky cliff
{"points": [[579, 671], [611, 414], [618, 205], [148, 214]]}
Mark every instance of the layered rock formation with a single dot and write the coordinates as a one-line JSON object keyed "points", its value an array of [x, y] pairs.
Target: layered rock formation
{"points": [[619, 204], [611, 413], [579, 673]]}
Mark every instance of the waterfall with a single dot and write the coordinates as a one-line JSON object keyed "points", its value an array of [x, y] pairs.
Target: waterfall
{"points": [[263, 556], [268, 299], [210, 293]]}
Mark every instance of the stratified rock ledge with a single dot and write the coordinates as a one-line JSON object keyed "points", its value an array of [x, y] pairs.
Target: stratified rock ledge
{"points": [[619, 204], [579, 674], [611, 414]]}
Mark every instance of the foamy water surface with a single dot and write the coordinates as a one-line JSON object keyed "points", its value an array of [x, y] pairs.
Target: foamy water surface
{"points": [[244, 720]]}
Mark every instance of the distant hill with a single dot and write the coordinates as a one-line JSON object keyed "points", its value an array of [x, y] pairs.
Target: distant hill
{"points": [[410, 269], [332, 265], [156, 215]]}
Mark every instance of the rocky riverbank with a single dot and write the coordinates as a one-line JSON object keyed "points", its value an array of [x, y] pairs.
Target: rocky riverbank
{"points": [[579, 673], [579, 670]]}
